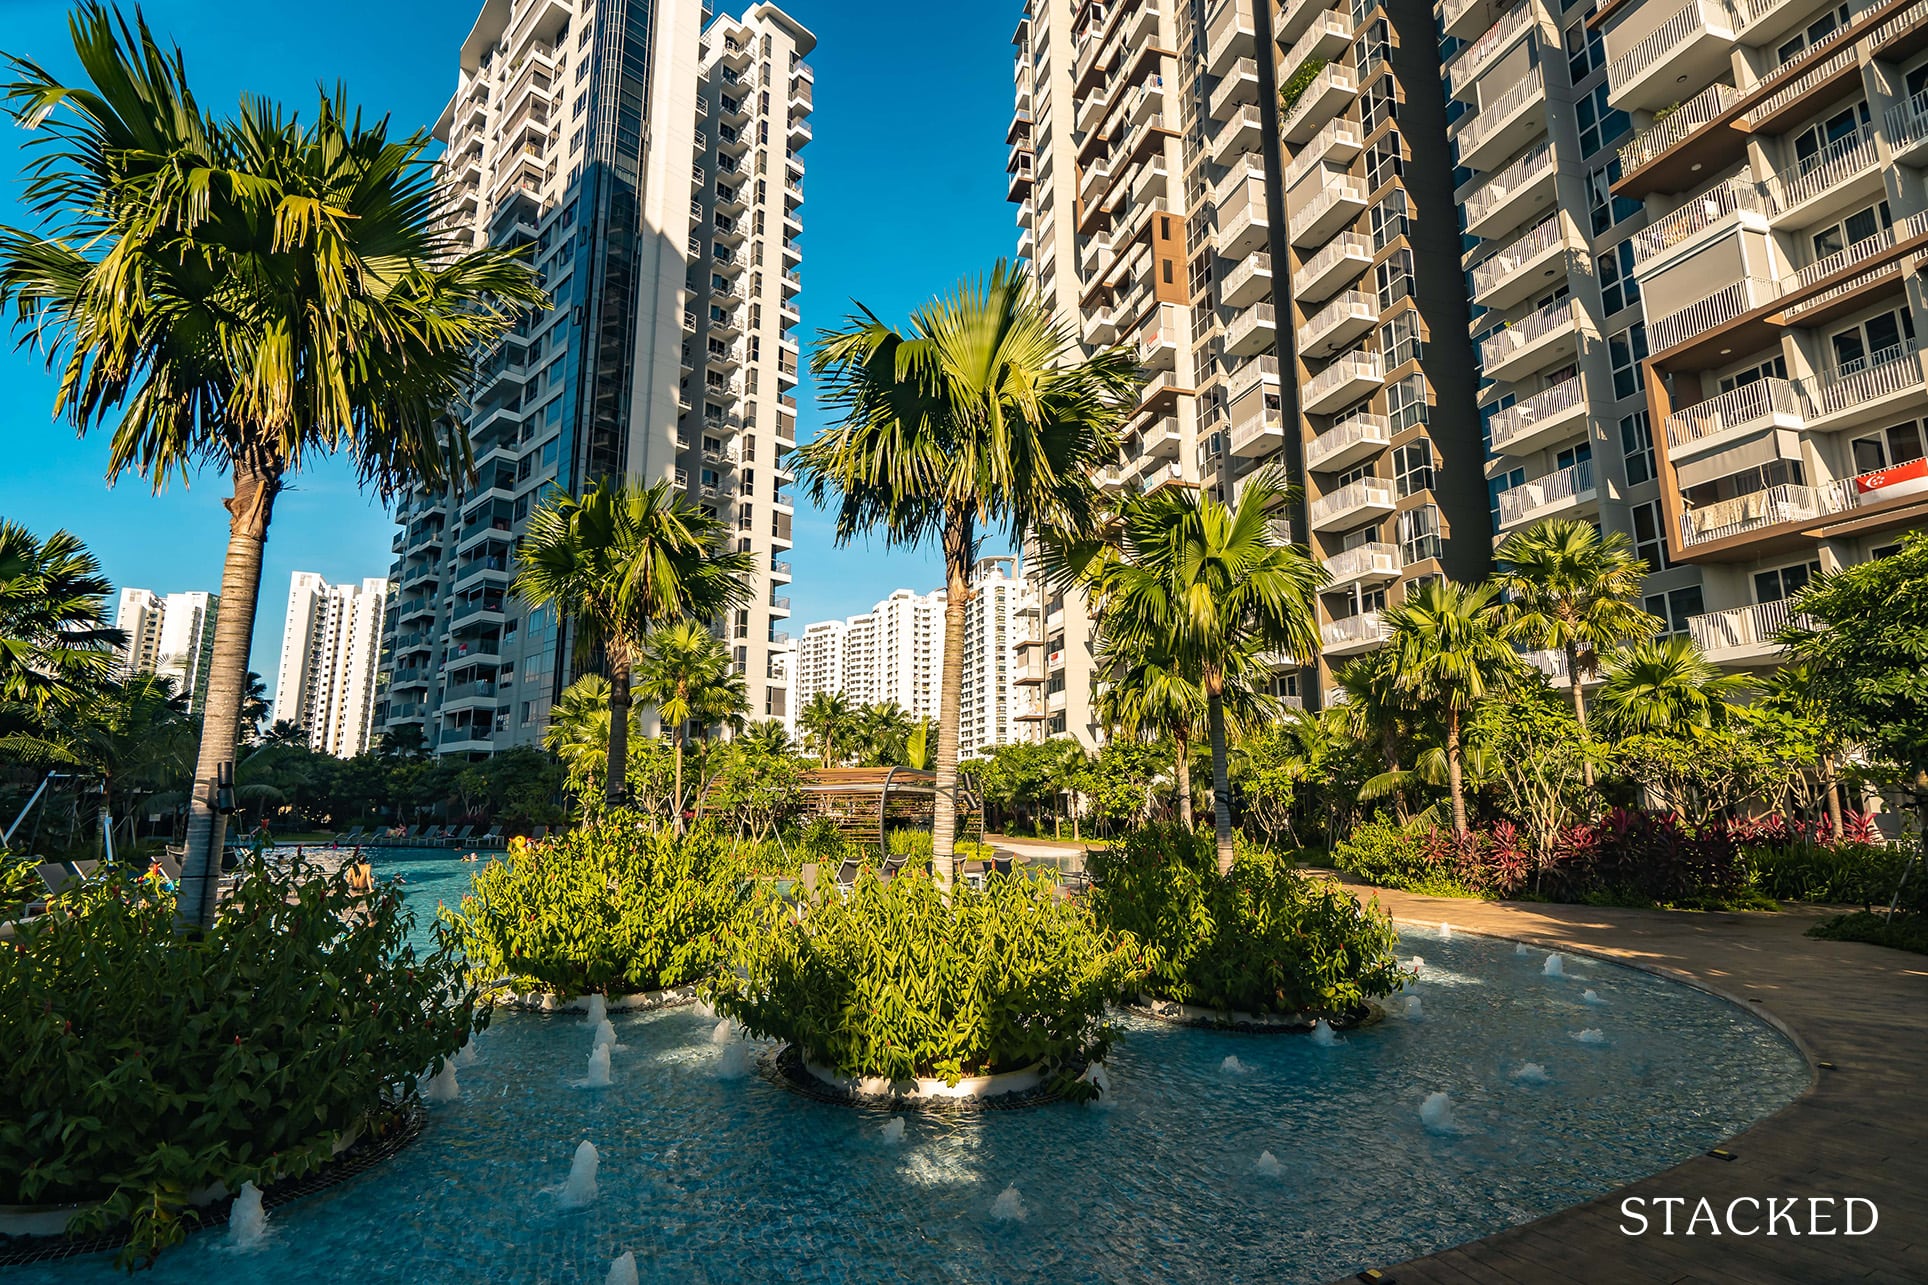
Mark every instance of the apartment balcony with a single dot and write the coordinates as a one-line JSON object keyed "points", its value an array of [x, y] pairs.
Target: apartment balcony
{"points": [[1258, 426], [1340, 322], [412, 676], [1465, 69], [1350, 635], [1336, 144], [1239, 85], [1347, 443], [1676, 147], [1338, 263], [1251, 331], [800, 133], [1157, 344], [416, 609], [1327, 36], [492, 569], [1842, 176], [1237, 134], [1246, 230], [1263, 369], [1245, 171], [1744, 513], [1231, 42], [1294, 17], [1345, 380], [1888, 381], [1513, 196], [484, 610], [1907, 123], [1160, 439], [1094, 182], [1337, 203], [1564, 491], [1503, 126], [1689, 49], [475, 738], [1101, 325], [1464, 19], [1743, 635], [1740, 413], [1542, 420], [1324, 98], [1717, 309], [779, 605], [469, 696], [1524, 267], [1698, 221], [1249, 282], [1362, 500], [1531, 344], [1363, 564], [1161, 385]]}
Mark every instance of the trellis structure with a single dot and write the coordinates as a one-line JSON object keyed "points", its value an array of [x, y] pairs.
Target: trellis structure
{"points": [[865, 802]]}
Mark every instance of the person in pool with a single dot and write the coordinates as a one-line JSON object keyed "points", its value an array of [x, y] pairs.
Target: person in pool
{"points": [[361, 877]]}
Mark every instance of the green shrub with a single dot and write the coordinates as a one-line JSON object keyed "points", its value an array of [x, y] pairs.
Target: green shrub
{"points": [[615, 907], [888, 981], [143, 1063], [1855, 874], [1903, 932], [1266, 939], [1388, 855], [19, 884]]}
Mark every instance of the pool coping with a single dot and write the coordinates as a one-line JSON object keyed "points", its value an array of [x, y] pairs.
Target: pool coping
{"points": [[1857, 1129]]}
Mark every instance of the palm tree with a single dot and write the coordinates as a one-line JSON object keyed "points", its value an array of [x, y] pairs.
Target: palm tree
{"points": [[984, 415], [829, 722], [1450, 643], [1145, 696], [56, 648], [285, 732], [1214, 588], [622, 560], [882, 729], [1790, 689], [578, 731], [253, 296], [920, 747], [1666, 685], [1572, 590], [254, 708], [1376, 709], [767, 735], [686, 673]]}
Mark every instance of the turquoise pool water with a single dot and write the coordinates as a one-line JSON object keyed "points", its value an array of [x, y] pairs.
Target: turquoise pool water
{"points": [[711, 1173]]}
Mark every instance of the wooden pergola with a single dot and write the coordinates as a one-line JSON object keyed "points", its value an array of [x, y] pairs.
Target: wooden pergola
{"points": [[866, 802]]}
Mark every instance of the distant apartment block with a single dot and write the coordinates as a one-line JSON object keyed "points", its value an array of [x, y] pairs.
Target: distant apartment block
{"points": [[330, 659], [170, 635], [649, 159]]}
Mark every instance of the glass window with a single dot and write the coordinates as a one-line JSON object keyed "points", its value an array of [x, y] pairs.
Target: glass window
{"points": [[1406, 401], [1896, 445], [1650, 536], [1625, 351], [1675, 608], [1880, 338], [1778, 583], [1389, 219], [1606, 209], [1394, 278], [1412, 467], [1600, 125], [1584, 50], [1637, 446], [1502, 482], [1399, 338], [1418, 534], [1618, 289], [1383, 161]]}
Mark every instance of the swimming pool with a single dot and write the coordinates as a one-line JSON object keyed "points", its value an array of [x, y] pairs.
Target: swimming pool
{"points": [[710, 1172]]}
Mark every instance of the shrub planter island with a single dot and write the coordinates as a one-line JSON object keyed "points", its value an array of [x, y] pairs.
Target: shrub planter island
{"points": [[618, 909], [151, 1072], [888, 994], [1264, 949]]}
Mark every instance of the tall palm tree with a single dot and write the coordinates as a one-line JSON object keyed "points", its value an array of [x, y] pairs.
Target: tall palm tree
{"points": [[252, 296], [920, 747], [686, 673], [254, 708], [882, 729], [56, 648], [1573, 590], [829, 724], [983, 415], [1667, 685], [285, 732], [621, 560], [768, 735], [1145, 696], [1450, 643], [578, 731], [1376, 709], [1214, 588]]}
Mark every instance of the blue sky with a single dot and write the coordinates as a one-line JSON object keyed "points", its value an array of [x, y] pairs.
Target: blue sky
{"points": [[906, 191]]}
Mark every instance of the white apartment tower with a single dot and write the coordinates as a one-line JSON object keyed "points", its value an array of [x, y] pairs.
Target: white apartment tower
{"points": [[172, 636], [651, 165], [891, 653], [997, 709], [331, 648]]}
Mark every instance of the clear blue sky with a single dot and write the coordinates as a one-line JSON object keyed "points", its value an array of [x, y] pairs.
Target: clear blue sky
{"points": [[906, 193]]}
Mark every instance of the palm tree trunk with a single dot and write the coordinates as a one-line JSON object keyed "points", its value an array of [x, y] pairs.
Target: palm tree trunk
{"points": [[1834, 796], [1579, 710], [1182, 760], [1453, 775], [950, 703], [249, 512], [616, 775], [1221, 779]]}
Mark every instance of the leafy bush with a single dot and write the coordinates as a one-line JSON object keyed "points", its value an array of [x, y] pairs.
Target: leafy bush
{"points": [[888, 981], [19, 884], [1795, 861], [1903, 932], [1265, 940], [616, 907], [144, 1064], [1388, 855], [1643, 857]]}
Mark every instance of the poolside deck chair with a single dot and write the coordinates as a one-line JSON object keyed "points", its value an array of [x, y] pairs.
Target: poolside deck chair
{"points": [[351, 836], [86, 869], [432, 836], [892, 865], [847, 872], [541, 832], [493, 839], [58, 876], [461, 836], [171, 864]]}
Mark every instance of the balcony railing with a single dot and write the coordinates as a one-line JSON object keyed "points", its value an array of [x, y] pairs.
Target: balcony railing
{"points": [[1366, 627], [1846, 257], [1544, 236], [1883, 373], [1358, 430], [1257, 317], [1528, 330], [1353, 365], [1799, 86], [1670, 35], [1844, 158], [1360, 492], [1363, 560], [1250, 267], [1758, 403], [1677, 125], [1743, 513], [1345, 245], [1339, 133], [1552, 491], [1742, 628], [1352, 305], [1521, 418], [1252, 372], [1710, 209], [1491, 118], [1497, 190], [1473, 60], [1716, 309], [1334, 193], [1908, 121]]}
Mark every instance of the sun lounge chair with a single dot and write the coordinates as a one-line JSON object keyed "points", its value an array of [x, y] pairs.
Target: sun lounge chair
{"points": [[891, 867], [847, 872], [493, 839], [541, 832], [351, 836], [86, 869], [58, 876], [432, 837], [170, 862], [461, 836]]}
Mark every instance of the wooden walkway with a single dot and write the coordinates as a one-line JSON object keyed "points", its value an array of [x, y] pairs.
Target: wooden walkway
{"points": [[1859, 1013]]}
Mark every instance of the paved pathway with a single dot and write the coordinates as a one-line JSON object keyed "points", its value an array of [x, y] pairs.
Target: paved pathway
{"points": [[1861, 1130]]}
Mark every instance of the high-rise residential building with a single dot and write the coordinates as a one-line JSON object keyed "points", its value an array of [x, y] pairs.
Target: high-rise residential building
{"points": [[1777, 217], [1186, 175], [331, 645], [651, 165], [996, 708], [172, 636]]}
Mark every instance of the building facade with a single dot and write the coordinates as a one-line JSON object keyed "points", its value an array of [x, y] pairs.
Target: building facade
{"points": [[171, 635], [651, 165], [331, 646], [996, 708]]}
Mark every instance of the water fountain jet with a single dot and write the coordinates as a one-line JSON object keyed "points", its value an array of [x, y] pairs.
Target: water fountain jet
{"points": [[622, 1271], [1267, 1165], [1436, 1113], [442, 1086], [247, 1220], [1009, 1206], [598, 1068], [579, 1188], [1554, 966], [1322, 1034]]}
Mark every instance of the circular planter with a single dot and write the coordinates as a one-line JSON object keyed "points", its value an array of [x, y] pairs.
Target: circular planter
{"points": [[1219, 1019], [549, 1002], [1025, 1087]]}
